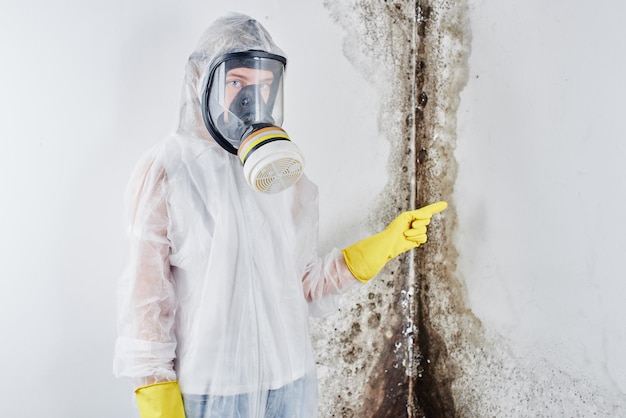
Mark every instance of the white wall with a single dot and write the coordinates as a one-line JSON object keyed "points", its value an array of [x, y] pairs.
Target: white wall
{"points": [[540, 189], [86, 88]]}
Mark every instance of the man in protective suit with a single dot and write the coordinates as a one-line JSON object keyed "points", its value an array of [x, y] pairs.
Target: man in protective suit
{"points": [[223, 269]]}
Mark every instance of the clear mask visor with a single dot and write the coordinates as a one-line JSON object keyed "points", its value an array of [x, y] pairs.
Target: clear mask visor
{"points": [[245, 92]]}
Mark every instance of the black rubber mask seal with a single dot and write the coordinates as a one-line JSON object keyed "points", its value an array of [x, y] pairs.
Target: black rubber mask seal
{"points": [[239, 58]]}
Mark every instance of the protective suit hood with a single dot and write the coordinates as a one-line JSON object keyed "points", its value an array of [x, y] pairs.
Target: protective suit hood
{"points": [[234, 32]]}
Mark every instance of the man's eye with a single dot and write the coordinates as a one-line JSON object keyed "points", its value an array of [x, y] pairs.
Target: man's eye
{"points": [[234, 83]]}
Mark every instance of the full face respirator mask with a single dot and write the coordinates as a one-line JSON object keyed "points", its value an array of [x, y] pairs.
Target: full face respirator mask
{"points": [[242, 107]]}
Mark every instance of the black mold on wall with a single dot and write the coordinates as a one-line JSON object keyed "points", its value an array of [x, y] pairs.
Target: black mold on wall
{"points": [[432, 387], [384, 356]]}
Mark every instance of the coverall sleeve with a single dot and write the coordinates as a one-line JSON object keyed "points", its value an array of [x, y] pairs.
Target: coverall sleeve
{"points": [[146, 343], [324, 280]]}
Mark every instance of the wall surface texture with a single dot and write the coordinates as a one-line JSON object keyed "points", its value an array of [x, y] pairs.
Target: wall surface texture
{"points": [[510, 111]]}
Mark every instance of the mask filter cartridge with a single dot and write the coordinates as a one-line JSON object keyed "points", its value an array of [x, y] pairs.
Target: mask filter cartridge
{"points": [[271, 162]]}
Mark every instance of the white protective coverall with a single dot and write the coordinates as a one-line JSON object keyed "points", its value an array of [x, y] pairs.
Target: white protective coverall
{"points": [[220, 278]]}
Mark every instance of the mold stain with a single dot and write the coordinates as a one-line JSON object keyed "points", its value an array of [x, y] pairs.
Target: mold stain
{"points": [[392, 360], [430, 383]]}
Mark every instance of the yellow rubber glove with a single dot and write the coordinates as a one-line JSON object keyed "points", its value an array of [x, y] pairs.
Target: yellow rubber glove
{"points": [[367, 257], [160, 400]]}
